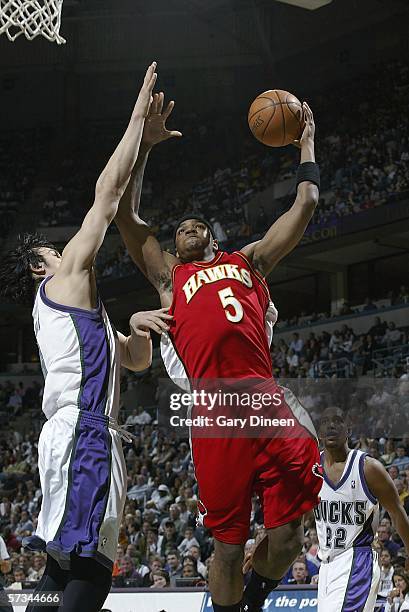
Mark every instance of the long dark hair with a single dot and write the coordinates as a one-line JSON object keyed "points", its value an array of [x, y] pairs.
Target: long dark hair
{"points": [[402, 574], [16, 279]]}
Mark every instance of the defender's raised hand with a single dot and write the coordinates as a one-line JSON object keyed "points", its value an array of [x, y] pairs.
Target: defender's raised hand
{"points": [[309, 127], [155, 129], [144, 100], [157, 320]]}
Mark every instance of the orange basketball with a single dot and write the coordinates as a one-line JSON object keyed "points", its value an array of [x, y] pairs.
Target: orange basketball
{"points": [[276, 118]]}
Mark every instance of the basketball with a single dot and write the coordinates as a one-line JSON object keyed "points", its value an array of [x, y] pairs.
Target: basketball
{"points": [[276, 118]]}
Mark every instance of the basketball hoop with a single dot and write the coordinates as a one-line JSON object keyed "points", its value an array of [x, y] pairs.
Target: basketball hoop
{"points": [[31, 18]]}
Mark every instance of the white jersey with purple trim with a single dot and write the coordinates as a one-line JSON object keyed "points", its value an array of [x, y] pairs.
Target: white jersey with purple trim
{"points": [[348, 514], [79, 354], [346, 520], [80, 458]]}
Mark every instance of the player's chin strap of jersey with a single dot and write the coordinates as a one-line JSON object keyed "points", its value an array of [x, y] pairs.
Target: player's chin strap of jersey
{"points": [[309, 171], [124, 433]]}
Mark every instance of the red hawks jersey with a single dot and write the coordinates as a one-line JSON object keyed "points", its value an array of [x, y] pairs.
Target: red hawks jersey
{"points": [[223, 320]]}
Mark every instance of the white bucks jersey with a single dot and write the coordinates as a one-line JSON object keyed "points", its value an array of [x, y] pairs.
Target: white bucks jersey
{"points": [[348, 514], [79, 354]]}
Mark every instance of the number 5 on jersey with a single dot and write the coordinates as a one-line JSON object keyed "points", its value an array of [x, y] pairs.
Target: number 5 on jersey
{"points": [[229, 301]]}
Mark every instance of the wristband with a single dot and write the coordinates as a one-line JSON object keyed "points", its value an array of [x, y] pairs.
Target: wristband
{"points": [[309, 171]]}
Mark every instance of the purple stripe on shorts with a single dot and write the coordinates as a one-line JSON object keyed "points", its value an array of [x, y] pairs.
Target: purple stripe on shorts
{"points": [[87, 495], [95, 362], [365, 538], [360, 579]]}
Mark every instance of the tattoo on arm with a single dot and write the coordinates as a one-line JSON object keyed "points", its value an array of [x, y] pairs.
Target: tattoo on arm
{"points": [[164, 280], [257, 262]]}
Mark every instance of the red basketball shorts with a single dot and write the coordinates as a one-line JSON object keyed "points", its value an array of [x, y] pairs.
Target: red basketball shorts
{"points": [[280, 469]]}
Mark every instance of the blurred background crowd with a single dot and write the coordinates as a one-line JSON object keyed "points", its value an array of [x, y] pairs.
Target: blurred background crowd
{"points": [[160, 544], [342, 337]]}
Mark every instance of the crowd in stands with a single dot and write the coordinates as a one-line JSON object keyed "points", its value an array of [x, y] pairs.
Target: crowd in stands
{"points": [[19, 152], [364, 158], [160, 543], [393, 298], [342, 352], [364, 164]]}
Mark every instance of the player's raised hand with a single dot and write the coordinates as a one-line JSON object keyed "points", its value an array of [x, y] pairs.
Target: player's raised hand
{"points": [[155, 130], [309, 127], [157, 320], [144, 100]]}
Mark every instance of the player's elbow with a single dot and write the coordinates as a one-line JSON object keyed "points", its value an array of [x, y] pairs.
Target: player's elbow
{"points": [[137, 365], [308, 196], [108, 188], [140, 360], [142, 364]]}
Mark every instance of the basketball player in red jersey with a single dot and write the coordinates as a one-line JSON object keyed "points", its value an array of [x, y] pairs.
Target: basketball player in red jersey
{"points": [[222, 323]]}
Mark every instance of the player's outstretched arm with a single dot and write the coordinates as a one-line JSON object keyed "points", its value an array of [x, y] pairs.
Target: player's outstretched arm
{"points": [[136, 349], [80, 252], [284, 235], [142, 245], [382, 487]]}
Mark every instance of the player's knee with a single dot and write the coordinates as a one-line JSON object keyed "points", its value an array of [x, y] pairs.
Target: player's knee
{"points": [[231, 555], [286, 541], [293, 543]]}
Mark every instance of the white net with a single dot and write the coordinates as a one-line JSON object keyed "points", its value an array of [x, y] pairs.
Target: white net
{"points": [[31, 18]]}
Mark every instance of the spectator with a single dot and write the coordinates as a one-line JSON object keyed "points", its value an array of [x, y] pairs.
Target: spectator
{"points": [[161, 579], [389, 456], [173, 565], [188, 541], [155, 565], [335, 342], [402, 490], [393, 472], [161, 497], [378, 330], [36, 572], [15, 403], [292, 359], [346, 309], [189, 572], [194, 551], [297, 343], [311, 568], [24, 526], [190, 569], [140, 568], [19, 579], [169, 540], [127, 576], [392, 335], [151, 542], [369, 305], [384, 536], [299, 573], [403, 296], [386, 582], [398, 598], [132, 418], [401, 456], [143, 417], [140, 490]]}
